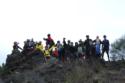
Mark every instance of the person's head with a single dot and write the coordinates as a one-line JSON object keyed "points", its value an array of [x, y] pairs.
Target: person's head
{"points": [[64, 39], [25, 42], [87, 36], [16, 43], [69, 41], [97, 37], [104, 36], [28, 40], [80, 40], [40, 42], [48, 35], [58, 42], [76, 43]]}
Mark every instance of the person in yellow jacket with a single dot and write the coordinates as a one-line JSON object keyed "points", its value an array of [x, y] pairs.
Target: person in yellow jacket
{"points": [[39, 46], [47, 52]]}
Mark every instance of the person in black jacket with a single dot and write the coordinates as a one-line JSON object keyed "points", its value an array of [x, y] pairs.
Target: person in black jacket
{"points": [[105, 47], [72, 51], [88, 43], [16, 48]]}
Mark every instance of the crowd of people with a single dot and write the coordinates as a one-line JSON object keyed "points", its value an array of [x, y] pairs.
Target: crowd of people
{"points": [[65, 51]]}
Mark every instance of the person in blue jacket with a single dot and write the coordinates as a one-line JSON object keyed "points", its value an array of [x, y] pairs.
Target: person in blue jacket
{"points": [[97, 42]]}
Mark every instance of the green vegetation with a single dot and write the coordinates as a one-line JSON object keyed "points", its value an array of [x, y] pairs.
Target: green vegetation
{"points": [[118, 49]]}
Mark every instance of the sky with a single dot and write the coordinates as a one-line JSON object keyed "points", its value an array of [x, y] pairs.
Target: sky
{"points": [[73, 19]]}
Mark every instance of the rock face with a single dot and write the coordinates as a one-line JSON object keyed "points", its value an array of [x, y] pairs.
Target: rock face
{"points": [[33, 70], [1, 81]]}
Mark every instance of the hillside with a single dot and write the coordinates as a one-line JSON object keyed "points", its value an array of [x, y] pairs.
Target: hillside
{"points": [[34, 70]]}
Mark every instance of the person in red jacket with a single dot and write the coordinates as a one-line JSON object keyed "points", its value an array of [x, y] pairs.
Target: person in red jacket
{"points": [[49, 41], [55, 53]]}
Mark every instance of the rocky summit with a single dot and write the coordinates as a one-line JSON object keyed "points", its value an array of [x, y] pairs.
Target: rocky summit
{"points": [[19, 69]]}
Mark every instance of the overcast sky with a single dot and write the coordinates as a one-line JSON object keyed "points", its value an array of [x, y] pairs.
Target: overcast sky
{"points": [[73, 19]]}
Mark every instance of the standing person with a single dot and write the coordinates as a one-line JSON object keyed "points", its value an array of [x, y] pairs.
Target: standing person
{"points": [[39, 46], [81, 50], [64, 42], [76, 50], [59, 47], [16, 48], [47, 54], [64, 49], [49, 41], [55, 53], [105, 47], [87, 44], [67, 51], [32, 44], [97, 42], [72, 51]]}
